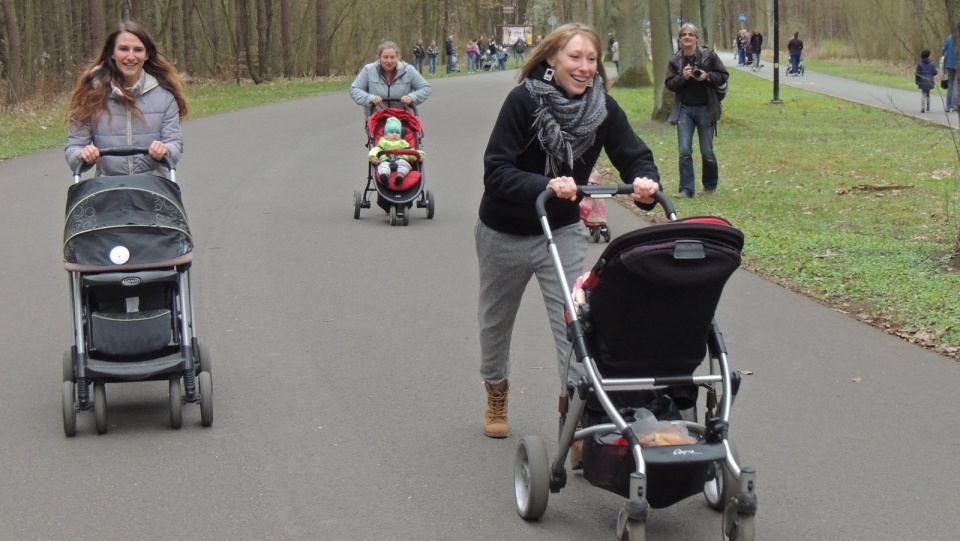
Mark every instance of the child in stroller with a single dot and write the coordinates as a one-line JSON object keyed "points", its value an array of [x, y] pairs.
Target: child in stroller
{"points": [[401, 189], [388, 163], [667, 280]]}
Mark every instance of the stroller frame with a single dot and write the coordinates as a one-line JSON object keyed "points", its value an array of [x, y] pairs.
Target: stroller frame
{"points": [[399, 201], [729, 487], [84, 366]]}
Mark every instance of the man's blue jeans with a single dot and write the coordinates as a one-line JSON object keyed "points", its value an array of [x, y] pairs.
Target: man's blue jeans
{"points": [[433, 65], [795, 63], [696, 117]]}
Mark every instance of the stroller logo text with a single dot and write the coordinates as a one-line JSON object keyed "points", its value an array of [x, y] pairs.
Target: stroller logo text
{"points": [[685, 452], [130, 281]]}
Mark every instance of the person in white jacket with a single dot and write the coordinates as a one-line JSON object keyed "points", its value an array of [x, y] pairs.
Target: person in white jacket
{"points": [[131, 95]]}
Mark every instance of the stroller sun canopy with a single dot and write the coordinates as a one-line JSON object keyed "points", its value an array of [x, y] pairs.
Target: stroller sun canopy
{"points": [[125, 220]]}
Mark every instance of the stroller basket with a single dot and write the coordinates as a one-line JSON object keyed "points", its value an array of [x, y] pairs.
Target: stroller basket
{"points": [[125, 220]]}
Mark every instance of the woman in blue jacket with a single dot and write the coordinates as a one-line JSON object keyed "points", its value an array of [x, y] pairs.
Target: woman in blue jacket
{"points": [[389, 77]]}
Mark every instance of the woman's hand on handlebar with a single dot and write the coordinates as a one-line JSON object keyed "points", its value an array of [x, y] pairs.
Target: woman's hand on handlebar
{"points": [[158, 150], [90, 154], [644, 189], [564, 187], [406, 100], [376, 100]]}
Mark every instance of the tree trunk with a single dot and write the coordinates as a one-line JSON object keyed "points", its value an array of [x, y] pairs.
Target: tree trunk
{"points": [[633, 50], [660, 32], [10, 51], [264, 14], [286, 39], [323, 35]]}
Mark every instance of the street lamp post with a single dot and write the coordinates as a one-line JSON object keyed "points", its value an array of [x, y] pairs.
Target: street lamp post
{"points": [[776, 52]]}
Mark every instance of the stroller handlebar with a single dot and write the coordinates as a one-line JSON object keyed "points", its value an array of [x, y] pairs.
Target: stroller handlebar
{"points": [[123, 151], [605, 190], [389, 102]]}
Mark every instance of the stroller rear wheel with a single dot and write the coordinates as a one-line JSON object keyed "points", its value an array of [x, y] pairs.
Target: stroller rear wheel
{"points": [[430, 204], [69, 409], [595, 234], [357, 204], [393, 215], [68, 364], [721, 486], [205, 381], [176, 403], [531, 478], [100, 406]]}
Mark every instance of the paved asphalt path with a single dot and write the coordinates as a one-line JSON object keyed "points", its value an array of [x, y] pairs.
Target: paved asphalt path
{"points": [[348, 402]]}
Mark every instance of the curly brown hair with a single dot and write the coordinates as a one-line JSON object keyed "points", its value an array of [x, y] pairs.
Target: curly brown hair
{"points": [[93, 89]]}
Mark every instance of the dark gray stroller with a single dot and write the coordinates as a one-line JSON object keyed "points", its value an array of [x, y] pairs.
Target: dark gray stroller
{"points": [[665, 279], [128, 250]]}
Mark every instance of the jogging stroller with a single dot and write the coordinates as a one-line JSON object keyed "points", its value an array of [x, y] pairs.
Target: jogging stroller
{"points": [[665, 279], [395, 199], [128, 251]]}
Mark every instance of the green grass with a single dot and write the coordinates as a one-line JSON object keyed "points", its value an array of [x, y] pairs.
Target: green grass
{"points": [[811, 182], [802, 179]]}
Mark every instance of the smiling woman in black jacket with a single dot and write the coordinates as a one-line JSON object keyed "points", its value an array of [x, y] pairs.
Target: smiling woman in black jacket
{"points": [[549, 134]]}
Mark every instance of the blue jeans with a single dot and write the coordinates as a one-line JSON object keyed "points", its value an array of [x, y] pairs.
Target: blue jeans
{"points": [[433, 65], [696, 117], [795, 63]]}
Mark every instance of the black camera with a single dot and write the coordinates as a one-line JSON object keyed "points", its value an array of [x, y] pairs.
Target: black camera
{"points": [[697, 72]]}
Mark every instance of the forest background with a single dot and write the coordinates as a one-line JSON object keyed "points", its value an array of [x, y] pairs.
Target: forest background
{"points": [[45, 44]]}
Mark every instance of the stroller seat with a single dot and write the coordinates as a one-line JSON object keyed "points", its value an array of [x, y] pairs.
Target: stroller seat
{"points": [[412, 131]]}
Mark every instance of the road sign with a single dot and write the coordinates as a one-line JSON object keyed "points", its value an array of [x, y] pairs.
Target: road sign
{"points": [[552, 20], [679, 19], [743, 17]]}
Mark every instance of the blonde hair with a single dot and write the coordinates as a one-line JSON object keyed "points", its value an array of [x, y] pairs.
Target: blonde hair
{"points": [[556, 41]]}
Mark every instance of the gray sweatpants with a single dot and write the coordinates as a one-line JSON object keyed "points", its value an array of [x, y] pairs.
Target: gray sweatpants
{"points": [[507, 262]]}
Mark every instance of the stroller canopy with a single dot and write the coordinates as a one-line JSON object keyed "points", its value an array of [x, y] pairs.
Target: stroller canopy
{"points": [[125, 220], [376, 121]]}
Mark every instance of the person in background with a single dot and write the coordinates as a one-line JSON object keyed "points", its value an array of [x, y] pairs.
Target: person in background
{"points": [[473, 51], [615, 54], [432, 52], [756, 45], [518, 48], [950, 71], [451, 52], [926, 77], [131, 95], [418, 54], [795, 47], [694, 74], [549, 134]]}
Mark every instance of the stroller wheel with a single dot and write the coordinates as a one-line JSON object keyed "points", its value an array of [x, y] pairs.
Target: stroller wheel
{"points": [[406, 216], [606, 234], [357, 204], [176, 403], [393, 215], [629, 529], [736, 526], [69, 410], [595, 234], [531, 478], [205, 381], [68, 364], [430, 204], [100, 406], [721, 486]]}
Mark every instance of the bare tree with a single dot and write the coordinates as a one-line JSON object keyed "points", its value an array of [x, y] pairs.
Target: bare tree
{"points": [[662, 45], [633, 71]]}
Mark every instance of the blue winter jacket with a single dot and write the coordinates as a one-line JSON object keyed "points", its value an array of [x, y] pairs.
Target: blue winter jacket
{"points": [[949, 54]]}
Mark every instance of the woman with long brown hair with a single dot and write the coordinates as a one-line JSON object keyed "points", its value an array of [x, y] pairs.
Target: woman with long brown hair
{"points": [[131, 95]]}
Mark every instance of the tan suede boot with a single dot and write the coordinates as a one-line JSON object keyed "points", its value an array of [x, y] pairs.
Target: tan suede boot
{"points": [[495, 419], [576, 453]]}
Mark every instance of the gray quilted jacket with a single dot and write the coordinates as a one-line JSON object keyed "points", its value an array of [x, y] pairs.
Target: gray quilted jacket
{"points": [[118, 126]]}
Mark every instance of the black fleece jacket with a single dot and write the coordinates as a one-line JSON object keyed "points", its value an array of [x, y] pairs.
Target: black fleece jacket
{"points": [[514, 165]]}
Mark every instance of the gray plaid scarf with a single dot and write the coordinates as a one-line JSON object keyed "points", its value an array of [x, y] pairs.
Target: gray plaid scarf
{"points": [[566, 128]]}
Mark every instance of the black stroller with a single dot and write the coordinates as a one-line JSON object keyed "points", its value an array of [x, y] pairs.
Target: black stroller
{"points": [[396, 199], [128, 251], [665, 279]]}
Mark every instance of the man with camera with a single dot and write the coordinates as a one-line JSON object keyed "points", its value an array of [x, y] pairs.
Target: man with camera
{"points": [[699, 79]]}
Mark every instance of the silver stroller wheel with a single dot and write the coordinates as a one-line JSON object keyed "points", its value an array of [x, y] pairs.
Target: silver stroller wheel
{"points": [[68, 364], [531, 478], [393, 215], [721, 486], [205, 381], [629, 529], [737, 527]]}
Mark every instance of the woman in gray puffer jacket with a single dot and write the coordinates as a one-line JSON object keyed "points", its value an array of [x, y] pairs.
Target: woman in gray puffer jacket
{"points": [[389, 78], [130, 96]]}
